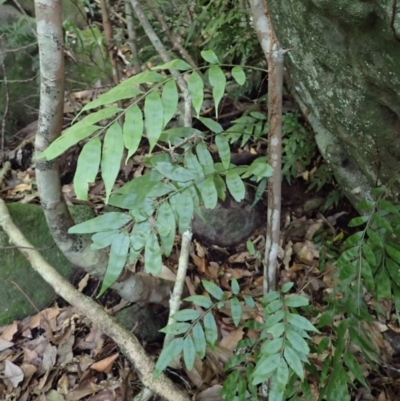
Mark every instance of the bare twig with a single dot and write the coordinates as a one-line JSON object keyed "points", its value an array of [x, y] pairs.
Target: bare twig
{"points": [[155, 40], [130, 25], [3, 121], [187, 235], [176, 298], [109, 40], [175, 42], [274, 54], [21, 9], [127, 342]]}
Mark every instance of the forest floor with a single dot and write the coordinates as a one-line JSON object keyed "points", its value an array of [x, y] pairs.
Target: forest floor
{"points": [[58, 354]]}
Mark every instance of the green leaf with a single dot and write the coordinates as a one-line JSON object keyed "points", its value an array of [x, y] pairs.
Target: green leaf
{"points": [[293, 361], [209, 56], [274, 306], [139, 235], [374, 238], [205, 158], [105, 222], [113, 148], [184, 209], [200, 300], [382, 222], [224, 150], [300, 322], [217, 81], [323, 344], [271, 296], [121, 91], [235, 185], [358, 221], [174, 65], [348, 256], [126, 87], [383, 287], [176, 328], [238, 75], [388, 206], [340, 342], [296, 301], [133, 129], [193, 165], [236, 311], [116, 263], [87, 168], [260, 191], [282, 376], [236, 361], [220, 186], [153, 118], [186, 314], [297, 341], [152, 255], [271, 347], [103, 239], [196, 91], [393, 253], [276, 330], [369, 254], [169, 99], [367, 275], [174, 172], [168, 354], [353, 239], [366, 205], [249, 301], [213, 290], [259, 169], [235, 286], [354, 367], [199, 340], [287, 287], [77, 132], [211, 330], [264, 367], [393, 269], [209, 193], [212, 125], [166, 220], [189, 352]]}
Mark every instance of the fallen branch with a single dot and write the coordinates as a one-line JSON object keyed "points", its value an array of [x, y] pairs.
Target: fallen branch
{"points": [[127, 342]]}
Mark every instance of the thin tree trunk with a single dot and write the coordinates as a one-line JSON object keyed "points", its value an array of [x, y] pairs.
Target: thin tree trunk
{"points": [[76, 248]]}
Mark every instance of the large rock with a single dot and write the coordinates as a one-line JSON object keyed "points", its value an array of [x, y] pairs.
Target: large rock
{"points": [[344, 71], [230, 222], [22, 288]]}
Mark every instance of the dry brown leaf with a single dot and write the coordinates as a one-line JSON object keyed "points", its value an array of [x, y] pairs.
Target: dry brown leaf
{"points": [[12, 374], [199, 262], [83, 282], [48, 314], [167, 273], [241, 257], [196, 374], [84, 389], [231, 340], [211, 394], [5, 344], [105, 365], [9, 331], [212, 270], [29, 370]]}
